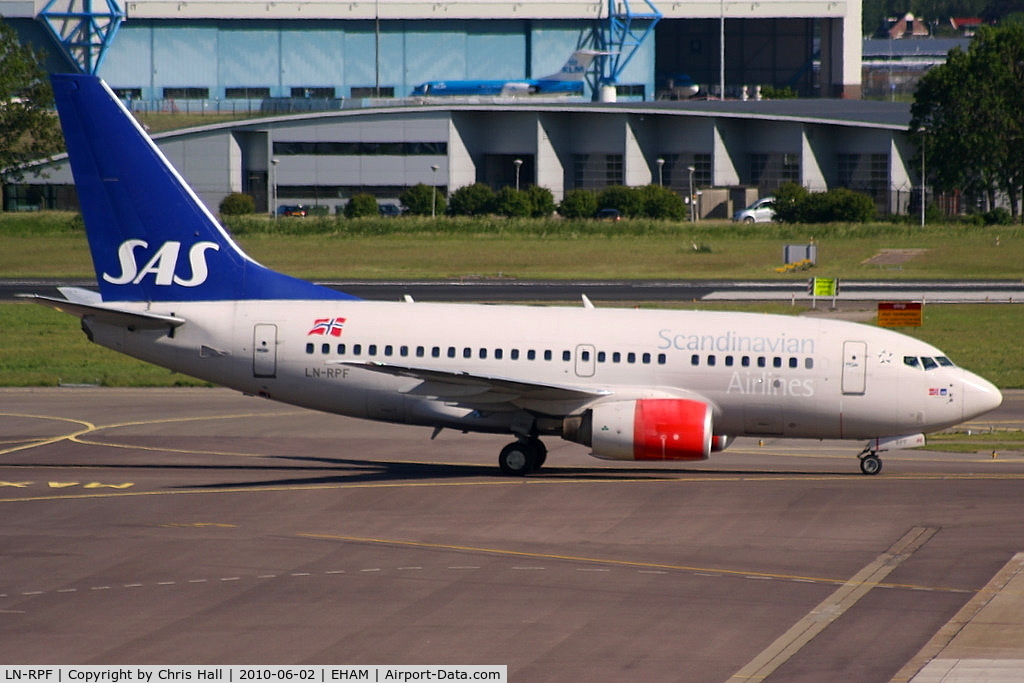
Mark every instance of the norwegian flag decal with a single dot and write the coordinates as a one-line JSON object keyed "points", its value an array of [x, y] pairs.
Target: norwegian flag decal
{"points": [[327, 327]]}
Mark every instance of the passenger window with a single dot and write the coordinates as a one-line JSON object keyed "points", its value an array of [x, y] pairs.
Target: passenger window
{"points": [[341, 349], [325, 348], [630, 357], [600, 356], [808, 363], [371, 350], [761, 362], [403, 351], [694, 359], [793, 362], [547, 354], [420, 351], [483, 354], [662, 359], [616, 357], [309, 348], [515, 354], [929, 363], [776, 362], [467, 352], [646, 359], [728, 361], [566, 356], [451, 352], [435, 352], [357, 349], [711, 361], [531, 355], [388, 350], [498, 354], [745, 361]]}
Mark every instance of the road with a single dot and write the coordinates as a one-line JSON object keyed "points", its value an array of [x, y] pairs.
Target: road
{"points": [[201, 526]]}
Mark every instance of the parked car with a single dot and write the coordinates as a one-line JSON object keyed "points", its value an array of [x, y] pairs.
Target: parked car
{"points": [[297, 210], [760, 211], [609, 215], [389, 210]]}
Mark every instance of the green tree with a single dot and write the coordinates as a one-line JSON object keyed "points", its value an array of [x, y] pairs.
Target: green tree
{"points": [[542, 202], [512, 203], [30, 129], [627, 200], [968, 117], [661, 202], [417, 200], [472, 200], [237, 204], [578, 204], [361, 205]]}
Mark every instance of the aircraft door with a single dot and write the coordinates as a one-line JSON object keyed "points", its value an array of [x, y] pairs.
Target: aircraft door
{"points": [[585, 360], [855, 367], [264, 350]]}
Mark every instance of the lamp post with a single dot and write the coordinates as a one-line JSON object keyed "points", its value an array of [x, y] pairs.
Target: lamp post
{"points": [[661, 164], [273, 187], [923, 180], [691, 169], [518, 163], [433, 190]]}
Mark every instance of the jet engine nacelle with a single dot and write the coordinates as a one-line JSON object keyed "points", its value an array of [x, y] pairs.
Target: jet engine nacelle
{"points": [[644, 429]]}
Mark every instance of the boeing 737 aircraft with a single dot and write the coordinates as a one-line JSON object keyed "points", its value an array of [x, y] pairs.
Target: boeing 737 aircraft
{"points": [[566, 81], [175, 290]]}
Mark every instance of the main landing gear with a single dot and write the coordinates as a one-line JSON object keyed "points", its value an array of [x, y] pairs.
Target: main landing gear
{"points": [[870, 463], [521, 457]]}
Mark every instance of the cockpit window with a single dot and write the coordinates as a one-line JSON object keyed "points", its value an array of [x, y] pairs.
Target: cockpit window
{"points": [[945, 362], [929, 363], [911, 361]]}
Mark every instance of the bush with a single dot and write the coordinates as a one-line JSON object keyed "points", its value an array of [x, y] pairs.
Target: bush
{"points": [[237, 204], [627, 200], [661, 202], [997, 216], [477, 199], [542, 202], [417, 199], [578, 204], [361, 205], [512, 203], [794, 204]]}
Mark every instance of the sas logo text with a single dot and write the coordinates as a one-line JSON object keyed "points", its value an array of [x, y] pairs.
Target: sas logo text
{"points": [[163, 264]]}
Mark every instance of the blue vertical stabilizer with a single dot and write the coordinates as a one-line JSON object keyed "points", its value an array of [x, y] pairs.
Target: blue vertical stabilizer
{"points": [[151, 237]]}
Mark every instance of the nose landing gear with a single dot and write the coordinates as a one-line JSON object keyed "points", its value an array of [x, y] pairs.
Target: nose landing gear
{"points": [[870, 463]]}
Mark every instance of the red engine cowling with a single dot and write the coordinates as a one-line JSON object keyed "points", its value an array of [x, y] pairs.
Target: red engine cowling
{"points": [[645, 429]]}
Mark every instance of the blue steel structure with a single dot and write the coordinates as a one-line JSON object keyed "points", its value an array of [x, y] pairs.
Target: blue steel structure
{"points": [[622, 35], [83, 29]]}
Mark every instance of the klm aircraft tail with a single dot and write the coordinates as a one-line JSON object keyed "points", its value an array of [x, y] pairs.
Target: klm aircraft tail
{"points": [[576, 68], [151, 237]]}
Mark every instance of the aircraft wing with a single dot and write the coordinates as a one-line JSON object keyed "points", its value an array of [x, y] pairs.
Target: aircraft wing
{"points": [[106, 313], [473, 389]]}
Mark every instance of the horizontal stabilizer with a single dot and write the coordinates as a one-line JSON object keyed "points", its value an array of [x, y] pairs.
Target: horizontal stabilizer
{"points": [[107, 314]]}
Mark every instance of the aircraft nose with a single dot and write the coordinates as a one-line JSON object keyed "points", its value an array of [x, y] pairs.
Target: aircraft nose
{"points": [[980, 396]]}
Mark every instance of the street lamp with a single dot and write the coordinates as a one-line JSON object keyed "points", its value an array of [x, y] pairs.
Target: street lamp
{"points": [[518, 163], [433, 191], [691, 169], [661, 164], [273, 186]]}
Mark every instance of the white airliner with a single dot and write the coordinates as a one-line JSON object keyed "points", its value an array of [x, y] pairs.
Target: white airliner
{"points": [[646, 385]]}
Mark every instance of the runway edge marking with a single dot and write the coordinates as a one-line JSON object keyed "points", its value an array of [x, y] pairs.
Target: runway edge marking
{"points": [[832, 607], [941, 640]]}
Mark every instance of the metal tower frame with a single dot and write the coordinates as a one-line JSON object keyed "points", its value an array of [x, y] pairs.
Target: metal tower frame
{"points": [[620, 39], [83, 33]]}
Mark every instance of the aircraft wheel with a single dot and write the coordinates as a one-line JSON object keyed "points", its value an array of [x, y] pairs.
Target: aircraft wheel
{"points": [[540, 453], [870, 464], [517, 459]]}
